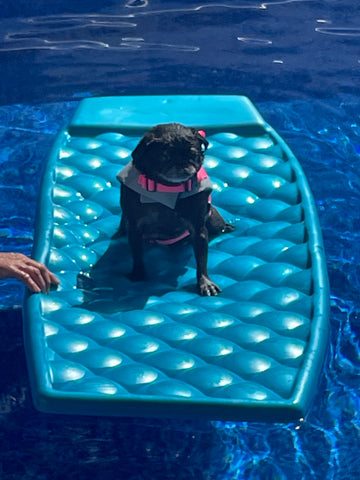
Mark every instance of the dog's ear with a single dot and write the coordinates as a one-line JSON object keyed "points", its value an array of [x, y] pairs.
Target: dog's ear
{"points": [[145, 152], [200, 135], [141, 150]]}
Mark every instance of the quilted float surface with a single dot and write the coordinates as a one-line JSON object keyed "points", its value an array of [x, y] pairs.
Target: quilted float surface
{"points": [[101, 344]]}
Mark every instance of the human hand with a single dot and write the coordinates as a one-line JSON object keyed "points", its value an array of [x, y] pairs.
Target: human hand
{"points": [[36, 276]]}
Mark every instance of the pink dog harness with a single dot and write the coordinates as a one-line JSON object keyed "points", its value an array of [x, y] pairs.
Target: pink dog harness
{"points": [[151, 191], [155, 192]]}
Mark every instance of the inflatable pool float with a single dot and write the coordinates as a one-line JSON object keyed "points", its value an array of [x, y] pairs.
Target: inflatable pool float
{"points": [[103, 345]]}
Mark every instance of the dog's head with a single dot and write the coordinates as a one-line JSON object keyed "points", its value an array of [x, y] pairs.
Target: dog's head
{"points": [[170, 153]]}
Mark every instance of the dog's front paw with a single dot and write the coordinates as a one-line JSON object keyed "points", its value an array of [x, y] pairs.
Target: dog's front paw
{"points": [[208, 288]]}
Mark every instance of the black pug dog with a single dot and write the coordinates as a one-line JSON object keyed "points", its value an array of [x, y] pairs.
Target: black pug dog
{"points": [[165, 197]]}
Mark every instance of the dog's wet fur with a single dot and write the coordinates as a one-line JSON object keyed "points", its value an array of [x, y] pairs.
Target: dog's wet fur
{"points": [[171, 154]]}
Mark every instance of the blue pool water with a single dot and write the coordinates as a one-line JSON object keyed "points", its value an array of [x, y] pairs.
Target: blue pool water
{"points": [[299, 62]]}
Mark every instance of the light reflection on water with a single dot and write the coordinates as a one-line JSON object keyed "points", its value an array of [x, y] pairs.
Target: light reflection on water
{"points": [[266, 49], [341, 32], [325, 138]]}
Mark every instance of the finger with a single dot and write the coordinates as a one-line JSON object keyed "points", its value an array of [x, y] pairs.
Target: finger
{"points": [[54, 279], [50, 278], [33, 278], [42, 276], [46, 273], [39, 278], [28, 281]]}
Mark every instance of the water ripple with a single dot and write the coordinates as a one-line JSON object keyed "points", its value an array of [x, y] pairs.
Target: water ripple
{"points": [[135, 43], [101, 31], [255, 5], [40, 34], [254, 41], [68, 22], [125, 44], [137, 3], [341, 32], [39, 44]]}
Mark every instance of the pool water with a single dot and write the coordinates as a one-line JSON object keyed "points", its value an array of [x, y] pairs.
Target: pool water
{"points": [[299, 62]]}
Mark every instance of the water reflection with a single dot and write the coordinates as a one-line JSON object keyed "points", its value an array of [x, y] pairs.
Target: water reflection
{"points": [[342, 32]]}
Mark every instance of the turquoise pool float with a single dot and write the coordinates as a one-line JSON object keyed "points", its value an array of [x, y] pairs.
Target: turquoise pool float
{"points": [[102, 345]]}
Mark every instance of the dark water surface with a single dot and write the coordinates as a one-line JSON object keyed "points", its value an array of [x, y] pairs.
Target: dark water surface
{"points": [[299, 62], [273, 50]]}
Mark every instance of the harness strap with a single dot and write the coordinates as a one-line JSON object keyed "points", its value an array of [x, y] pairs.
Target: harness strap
{"points": [[153, 186]]}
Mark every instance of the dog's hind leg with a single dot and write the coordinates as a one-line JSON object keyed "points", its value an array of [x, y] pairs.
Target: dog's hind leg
{"points": [[216, 225]]}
